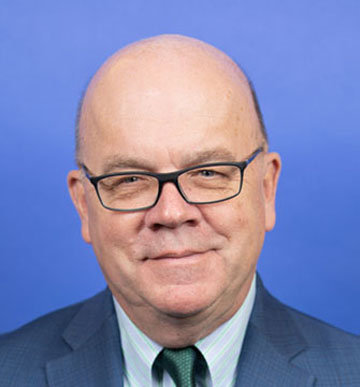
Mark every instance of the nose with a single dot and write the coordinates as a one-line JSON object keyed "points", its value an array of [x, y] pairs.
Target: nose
{"points": [[171, 210]]}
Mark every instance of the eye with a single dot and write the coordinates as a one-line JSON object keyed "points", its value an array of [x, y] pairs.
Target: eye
{"points": [[129, 179], [120, 182], [207, 173], [216, 173]]}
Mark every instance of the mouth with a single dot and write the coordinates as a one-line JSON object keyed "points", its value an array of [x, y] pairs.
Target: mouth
{"points": [[176, 255]]}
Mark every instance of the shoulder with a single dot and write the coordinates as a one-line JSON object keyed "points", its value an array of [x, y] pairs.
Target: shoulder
{"points": [[37, 333], [25, 351], [331, 353], [322, 350], [277, 318], [318, 333]]}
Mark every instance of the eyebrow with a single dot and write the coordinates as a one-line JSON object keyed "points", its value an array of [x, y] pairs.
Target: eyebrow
{"points": [[201, 157], [122, 162], [208, 156]]}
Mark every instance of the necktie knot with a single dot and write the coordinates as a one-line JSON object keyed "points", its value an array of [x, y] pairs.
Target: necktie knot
{"points": [[180, 364]]}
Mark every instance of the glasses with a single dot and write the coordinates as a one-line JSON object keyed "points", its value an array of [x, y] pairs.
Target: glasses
{"points": [[201, 184]]}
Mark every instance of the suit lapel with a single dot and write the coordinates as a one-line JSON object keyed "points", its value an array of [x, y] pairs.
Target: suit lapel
{"points": [[272, 341], [96, 358], [261, 364]]}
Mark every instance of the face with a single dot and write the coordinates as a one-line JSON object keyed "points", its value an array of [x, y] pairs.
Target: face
{"points": [[175, 259]]}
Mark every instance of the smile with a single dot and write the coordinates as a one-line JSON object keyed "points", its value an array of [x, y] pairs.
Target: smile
{"points": [[177, 255]]}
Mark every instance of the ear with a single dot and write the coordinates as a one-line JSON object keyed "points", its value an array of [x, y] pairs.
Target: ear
{"points": [[271, 177], [77, 193]]}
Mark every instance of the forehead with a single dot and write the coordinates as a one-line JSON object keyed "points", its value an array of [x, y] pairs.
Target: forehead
{"points": [[167, 107]]}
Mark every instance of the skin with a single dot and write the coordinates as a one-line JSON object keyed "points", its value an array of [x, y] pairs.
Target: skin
{"points": [[178, 270]]}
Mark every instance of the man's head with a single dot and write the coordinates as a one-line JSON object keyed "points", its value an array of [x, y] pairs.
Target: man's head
{"points": [[160, 105]]}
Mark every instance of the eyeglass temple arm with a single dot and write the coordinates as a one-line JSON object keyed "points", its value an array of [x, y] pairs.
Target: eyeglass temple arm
{"points": [[251, 158]]}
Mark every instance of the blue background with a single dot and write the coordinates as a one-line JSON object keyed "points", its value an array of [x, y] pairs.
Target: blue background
{"points": [[304, 59]]}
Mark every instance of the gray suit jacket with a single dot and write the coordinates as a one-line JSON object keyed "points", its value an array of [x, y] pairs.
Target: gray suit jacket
{"points": [[79, 346]]}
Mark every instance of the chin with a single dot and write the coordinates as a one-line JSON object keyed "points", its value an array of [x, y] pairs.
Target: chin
{"points": [[184, 313], [183, 303]]}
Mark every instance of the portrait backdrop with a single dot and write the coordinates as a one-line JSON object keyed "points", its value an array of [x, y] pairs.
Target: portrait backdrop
{"points": [[303, 58]]}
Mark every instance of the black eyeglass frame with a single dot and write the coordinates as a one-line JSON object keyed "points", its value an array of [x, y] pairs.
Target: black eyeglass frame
{"points": [[171, 177]]}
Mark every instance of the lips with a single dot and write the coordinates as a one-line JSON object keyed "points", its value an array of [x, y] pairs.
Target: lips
{"points": [[176, 254]]}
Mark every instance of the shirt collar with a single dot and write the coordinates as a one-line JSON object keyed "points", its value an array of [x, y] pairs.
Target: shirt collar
{"points": [[221, 349]]}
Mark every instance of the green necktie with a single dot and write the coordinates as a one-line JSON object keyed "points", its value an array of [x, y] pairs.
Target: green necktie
{"points": [[180, 364]]}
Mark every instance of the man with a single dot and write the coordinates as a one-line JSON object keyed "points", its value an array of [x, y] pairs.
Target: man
{"points": [[175, 190]]}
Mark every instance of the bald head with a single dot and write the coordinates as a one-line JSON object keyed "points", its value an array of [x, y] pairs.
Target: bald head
{"points": [[173, 66]]}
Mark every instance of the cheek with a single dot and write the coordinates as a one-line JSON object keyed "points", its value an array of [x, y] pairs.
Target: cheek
{"points": [[113, 237], [241, 221], [239, 216], [112, 228]]}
